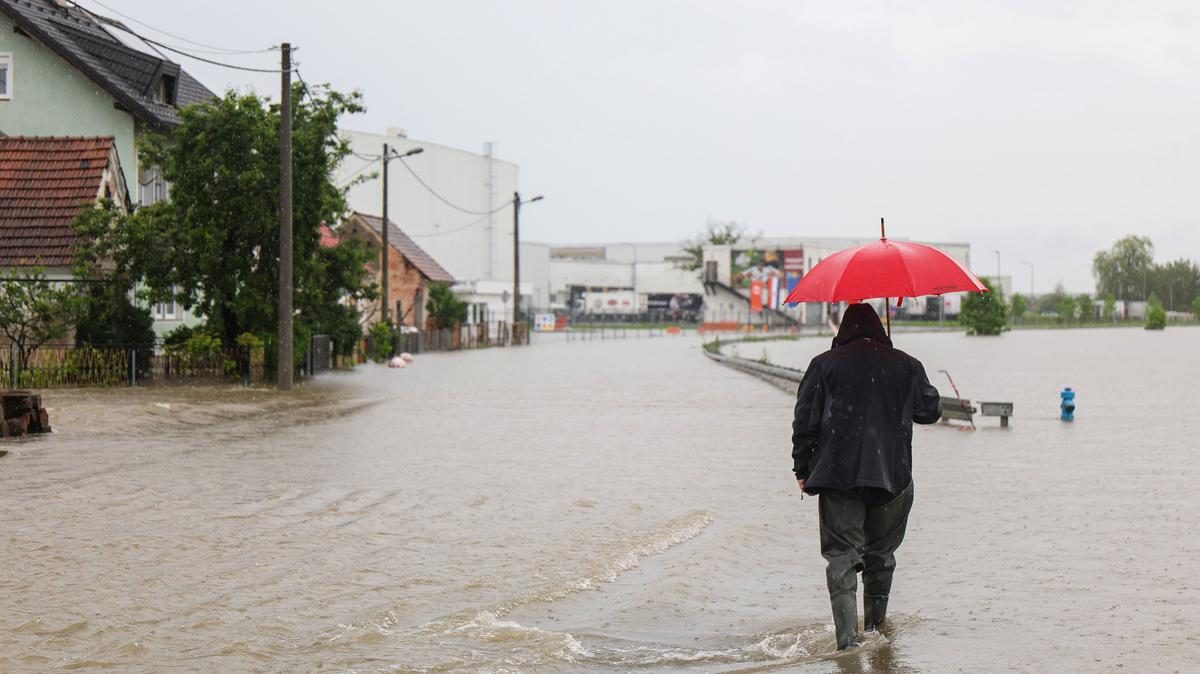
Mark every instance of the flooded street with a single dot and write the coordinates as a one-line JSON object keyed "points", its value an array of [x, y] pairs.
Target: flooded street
{"points": [[602, 506]]}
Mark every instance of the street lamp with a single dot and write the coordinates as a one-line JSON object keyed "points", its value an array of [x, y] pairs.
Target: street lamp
{"points": [[388, 155], [517, 203]]}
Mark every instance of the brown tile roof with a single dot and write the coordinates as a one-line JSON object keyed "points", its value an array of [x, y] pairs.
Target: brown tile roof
{"points": [[44, 184], [400, 241]]}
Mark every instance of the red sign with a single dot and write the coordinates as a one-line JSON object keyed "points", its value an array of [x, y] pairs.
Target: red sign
{"points": [[793, 260], [756, 296]]}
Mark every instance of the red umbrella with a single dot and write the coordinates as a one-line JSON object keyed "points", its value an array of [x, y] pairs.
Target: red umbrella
{"points": [[884, 269]]}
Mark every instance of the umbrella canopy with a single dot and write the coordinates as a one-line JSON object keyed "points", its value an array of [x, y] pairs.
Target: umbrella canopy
{"points": [[884, 269]]}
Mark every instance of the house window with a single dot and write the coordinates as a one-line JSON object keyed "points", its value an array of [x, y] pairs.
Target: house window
{"points": [[167, 311], [6, 75], [154, 187], [165, 91]]}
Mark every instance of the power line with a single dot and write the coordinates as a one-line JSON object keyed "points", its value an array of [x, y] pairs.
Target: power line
{"points": [[216, 50], [181, 52], [459, 229], [304, 85], [346, 181], [209, 61], [444, 200]]}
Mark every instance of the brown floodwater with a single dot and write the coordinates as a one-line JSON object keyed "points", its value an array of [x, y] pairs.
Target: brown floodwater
{"points": [[601, 506]]}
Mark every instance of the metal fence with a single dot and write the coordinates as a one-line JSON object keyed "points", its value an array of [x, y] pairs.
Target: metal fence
{"points": [[320, 355], [67, 366], [467, 336]]}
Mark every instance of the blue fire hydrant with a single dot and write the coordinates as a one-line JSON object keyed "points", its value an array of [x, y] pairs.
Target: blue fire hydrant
{"points": [[1068, 404]]}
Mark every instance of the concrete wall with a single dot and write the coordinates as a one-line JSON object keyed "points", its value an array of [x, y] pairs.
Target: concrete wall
{"points": [[666, 277], [52, 98], [535, 270], [591, 273]]}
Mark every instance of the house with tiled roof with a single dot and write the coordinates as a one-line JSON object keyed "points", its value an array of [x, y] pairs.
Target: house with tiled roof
{"points": [[64, 71], [44, 185], [410, 269]]}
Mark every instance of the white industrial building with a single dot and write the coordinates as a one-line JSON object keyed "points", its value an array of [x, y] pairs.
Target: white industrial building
{"points": [[730, 268], [641, 279], [626, 279], [456, 204]]}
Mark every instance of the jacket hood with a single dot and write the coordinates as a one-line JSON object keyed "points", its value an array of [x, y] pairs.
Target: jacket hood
{"points": [[860, 322]]}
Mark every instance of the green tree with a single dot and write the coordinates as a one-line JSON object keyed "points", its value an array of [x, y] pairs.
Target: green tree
{"points": [[109, 317], [1066, 309], [1175, 282], [34, 310], [446, 309], [984, 313], [1196, 307], [1019, 305], [1124, 269], [1085, 308], [213, 246], [109, 312], [1110, 307], [1156, 315], [716, 233]]}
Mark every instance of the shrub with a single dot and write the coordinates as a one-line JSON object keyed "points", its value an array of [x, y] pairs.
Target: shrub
{"points": [[1156, 315], [383, 341], [446, 309], [984, 313]]}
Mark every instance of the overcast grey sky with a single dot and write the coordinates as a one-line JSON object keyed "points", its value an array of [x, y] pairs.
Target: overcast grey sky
{"points": [[1044, 129]]}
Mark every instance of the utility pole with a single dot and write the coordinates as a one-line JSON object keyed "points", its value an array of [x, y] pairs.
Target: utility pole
{"points": [[285, 359], [517, 254], [383, 232], [516, 263]]}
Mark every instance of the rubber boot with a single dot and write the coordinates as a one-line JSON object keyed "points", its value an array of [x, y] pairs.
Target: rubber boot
{"points": [[874, 610], [845, 620]]}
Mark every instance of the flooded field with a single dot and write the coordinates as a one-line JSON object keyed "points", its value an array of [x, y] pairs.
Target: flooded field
{"points": [[601, 506]]}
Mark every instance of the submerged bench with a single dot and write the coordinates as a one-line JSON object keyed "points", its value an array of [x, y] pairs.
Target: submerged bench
{"points": [[1002, 410], [959, 409]]}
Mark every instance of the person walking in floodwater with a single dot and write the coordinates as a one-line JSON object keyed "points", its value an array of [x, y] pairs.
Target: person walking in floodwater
{"points": [[852, 446]]}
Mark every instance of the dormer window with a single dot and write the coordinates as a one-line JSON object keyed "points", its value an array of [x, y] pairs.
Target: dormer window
{"points": [[164, 93], [6, 75]]}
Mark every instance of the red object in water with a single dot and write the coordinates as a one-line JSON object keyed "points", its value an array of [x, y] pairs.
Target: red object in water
{"points": [[884, 269]]}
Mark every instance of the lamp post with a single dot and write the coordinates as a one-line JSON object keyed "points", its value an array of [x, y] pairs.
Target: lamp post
{"points": [[517, 258], [388, 155]]}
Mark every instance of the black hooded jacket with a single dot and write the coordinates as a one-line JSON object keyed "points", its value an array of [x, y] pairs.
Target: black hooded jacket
{"points": [[855, 410]]}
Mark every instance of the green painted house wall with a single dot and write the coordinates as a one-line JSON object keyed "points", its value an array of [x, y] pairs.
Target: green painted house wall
{"points": [[51, 98]]}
